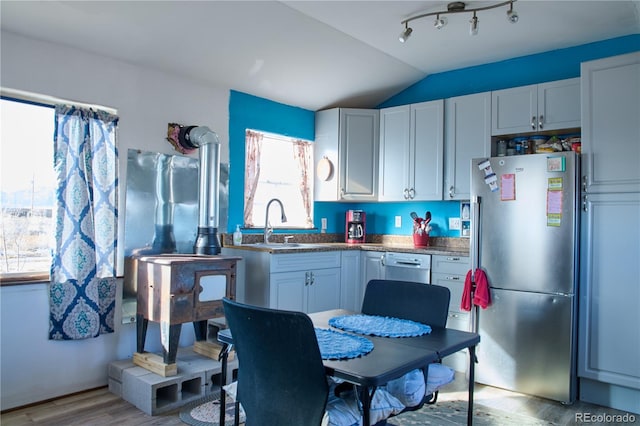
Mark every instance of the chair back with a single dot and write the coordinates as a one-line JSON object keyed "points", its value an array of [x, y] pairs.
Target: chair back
{"points": [[424, 303], [281, 379]]}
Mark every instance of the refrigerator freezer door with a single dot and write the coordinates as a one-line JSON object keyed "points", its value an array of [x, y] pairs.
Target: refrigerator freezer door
{"points": [[526, 344], [523, 243]]}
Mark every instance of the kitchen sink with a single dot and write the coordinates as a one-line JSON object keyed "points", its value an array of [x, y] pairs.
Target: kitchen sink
{"points": [[284, 246]]}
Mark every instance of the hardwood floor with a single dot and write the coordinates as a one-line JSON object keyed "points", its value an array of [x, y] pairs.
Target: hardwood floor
{"points": [[99, 407]]}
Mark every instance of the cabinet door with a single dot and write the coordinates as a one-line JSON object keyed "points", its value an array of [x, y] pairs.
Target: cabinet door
{"points": [[609, 290], [323, 290], [427, 144], [325, 188], [359, 144], [514, 110], [289, 291], [350, 281], [393, 182], [372, 268], [559, 105], [611, 124], [467, 136]]}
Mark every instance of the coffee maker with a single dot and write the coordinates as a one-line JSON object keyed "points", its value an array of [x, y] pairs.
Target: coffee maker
{"points": [[355, 226]]}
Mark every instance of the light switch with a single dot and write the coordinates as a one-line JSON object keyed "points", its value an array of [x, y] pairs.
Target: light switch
{"points": [[398, 221]]}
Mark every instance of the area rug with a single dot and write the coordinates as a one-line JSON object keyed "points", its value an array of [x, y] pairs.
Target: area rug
{"points": [[443, 413], [206, 412], [449, 413]]}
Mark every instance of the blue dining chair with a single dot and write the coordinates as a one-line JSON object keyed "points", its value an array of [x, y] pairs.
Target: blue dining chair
{"points": [[424, 303]]}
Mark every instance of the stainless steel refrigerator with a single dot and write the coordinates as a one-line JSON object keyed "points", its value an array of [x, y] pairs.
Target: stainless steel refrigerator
{"points": [[525, 238]]}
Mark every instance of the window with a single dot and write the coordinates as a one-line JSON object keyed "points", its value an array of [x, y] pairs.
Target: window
{"points": [[27, 188], [278, 167]]}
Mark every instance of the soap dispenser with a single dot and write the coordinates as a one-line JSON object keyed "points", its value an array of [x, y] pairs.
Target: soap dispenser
{"points": [[237, 236]]}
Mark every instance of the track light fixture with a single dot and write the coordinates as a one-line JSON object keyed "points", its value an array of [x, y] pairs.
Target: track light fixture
{"points": [[473, 28], [404, 35], [459, 7], [512, 15]]}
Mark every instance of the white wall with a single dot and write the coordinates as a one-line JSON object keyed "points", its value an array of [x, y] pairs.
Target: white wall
{"points": [[33, 368]]}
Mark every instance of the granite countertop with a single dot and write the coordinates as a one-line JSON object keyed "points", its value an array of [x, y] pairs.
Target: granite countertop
{"points": [[303, 243]]}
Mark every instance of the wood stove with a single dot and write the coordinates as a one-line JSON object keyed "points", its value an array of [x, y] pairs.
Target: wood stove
{"points": [[173, 289]]}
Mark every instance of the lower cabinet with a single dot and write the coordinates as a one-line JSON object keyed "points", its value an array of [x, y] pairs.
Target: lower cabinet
{"points": [[372, 269], [450, 272], [608, 335], [307, 291]]}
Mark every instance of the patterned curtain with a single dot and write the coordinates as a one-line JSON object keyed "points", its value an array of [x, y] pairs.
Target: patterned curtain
{"points": [[83, 267], [302, 153], [253, 147]]}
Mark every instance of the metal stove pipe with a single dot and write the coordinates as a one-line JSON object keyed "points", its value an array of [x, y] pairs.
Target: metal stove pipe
{"points": [[207, 241]]}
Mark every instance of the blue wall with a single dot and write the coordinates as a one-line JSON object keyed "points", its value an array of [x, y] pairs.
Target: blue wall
{"points": [[250, 112]]}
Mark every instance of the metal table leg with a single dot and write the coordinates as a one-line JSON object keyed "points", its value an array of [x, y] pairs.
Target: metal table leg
{"points": [[472, 364], [223, 357]]}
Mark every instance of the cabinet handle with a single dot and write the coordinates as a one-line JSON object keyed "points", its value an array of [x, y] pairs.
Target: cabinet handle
{"points": [[313, 278], [382, 260], [453, 278], [584, 183], [412, 193], [453, 258], [584, 203], [306, 278], [451, 191], [405, 193], [533, 122], [540, 121]]}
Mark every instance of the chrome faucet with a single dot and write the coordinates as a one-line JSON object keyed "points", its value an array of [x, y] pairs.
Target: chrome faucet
{"points": [[268, 229]]}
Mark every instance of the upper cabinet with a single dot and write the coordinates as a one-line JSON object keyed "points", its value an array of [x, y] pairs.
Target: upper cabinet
{"points": [[611, 124], [411, 152], [346, 155], [467, 136], [536, 108]]}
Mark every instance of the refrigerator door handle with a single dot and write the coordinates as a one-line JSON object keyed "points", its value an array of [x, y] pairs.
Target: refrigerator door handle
{"points": [[474, 248]]}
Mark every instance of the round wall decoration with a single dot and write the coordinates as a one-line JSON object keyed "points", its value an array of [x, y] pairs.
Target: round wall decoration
{"points": [[324, 169]]}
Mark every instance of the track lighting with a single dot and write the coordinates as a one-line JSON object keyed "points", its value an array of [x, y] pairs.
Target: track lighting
{"points": [[440, 22], [406, 33], [473, 28], [458, 7], [512, 15]]}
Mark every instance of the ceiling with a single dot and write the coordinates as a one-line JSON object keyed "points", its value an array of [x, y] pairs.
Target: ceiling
{"points": [[313, 54]]}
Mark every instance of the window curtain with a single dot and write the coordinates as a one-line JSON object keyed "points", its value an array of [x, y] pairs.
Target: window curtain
{"points": [[253, 147], [302, 153], [83, 267]]}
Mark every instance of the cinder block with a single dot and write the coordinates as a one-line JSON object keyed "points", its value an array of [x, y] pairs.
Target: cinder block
{"points": [[117, 367], [115, 387]]}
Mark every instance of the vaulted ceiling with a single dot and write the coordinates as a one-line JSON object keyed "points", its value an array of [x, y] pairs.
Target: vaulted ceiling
{"points": [[313, 54]]}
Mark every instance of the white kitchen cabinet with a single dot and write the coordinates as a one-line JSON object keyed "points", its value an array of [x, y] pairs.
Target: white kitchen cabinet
{"points": [[372, 269], [611, 124], [450, 272], [411, 152], [346, 155], [306, 291], [609, 338], [350, 281], [467, 135], [305, 282], [536, 108]]}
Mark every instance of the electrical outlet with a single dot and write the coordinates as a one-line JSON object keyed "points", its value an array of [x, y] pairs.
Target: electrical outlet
{"points": [[323, 228], [454, 223], [398, 221]]}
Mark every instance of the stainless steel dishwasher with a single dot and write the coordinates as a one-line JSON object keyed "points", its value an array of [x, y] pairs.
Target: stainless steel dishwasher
{"points": [[407, 267]]}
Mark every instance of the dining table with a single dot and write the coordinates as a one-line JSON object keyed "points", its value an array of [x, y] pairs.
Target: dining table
{"points": [[391, 358]]}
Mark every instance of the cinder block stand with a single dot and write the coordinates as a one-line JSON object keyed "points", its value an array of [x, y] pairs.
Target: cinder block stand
{"points": [[197, 376]]}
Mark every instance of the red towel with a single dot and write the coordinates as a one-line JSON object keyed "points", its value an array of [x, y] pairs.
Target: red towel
{"points": [[480, 295], [465, 303]]}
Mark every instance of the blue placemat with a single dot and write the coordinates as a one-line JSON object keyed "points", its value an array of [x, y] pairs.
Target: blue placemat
{"points": [[335, 345], [379, 326]]}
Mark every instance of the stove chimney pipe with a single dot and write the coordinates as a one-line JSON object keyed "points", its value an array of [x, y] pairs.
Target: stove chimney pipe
{"points": [[207, 241]]}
